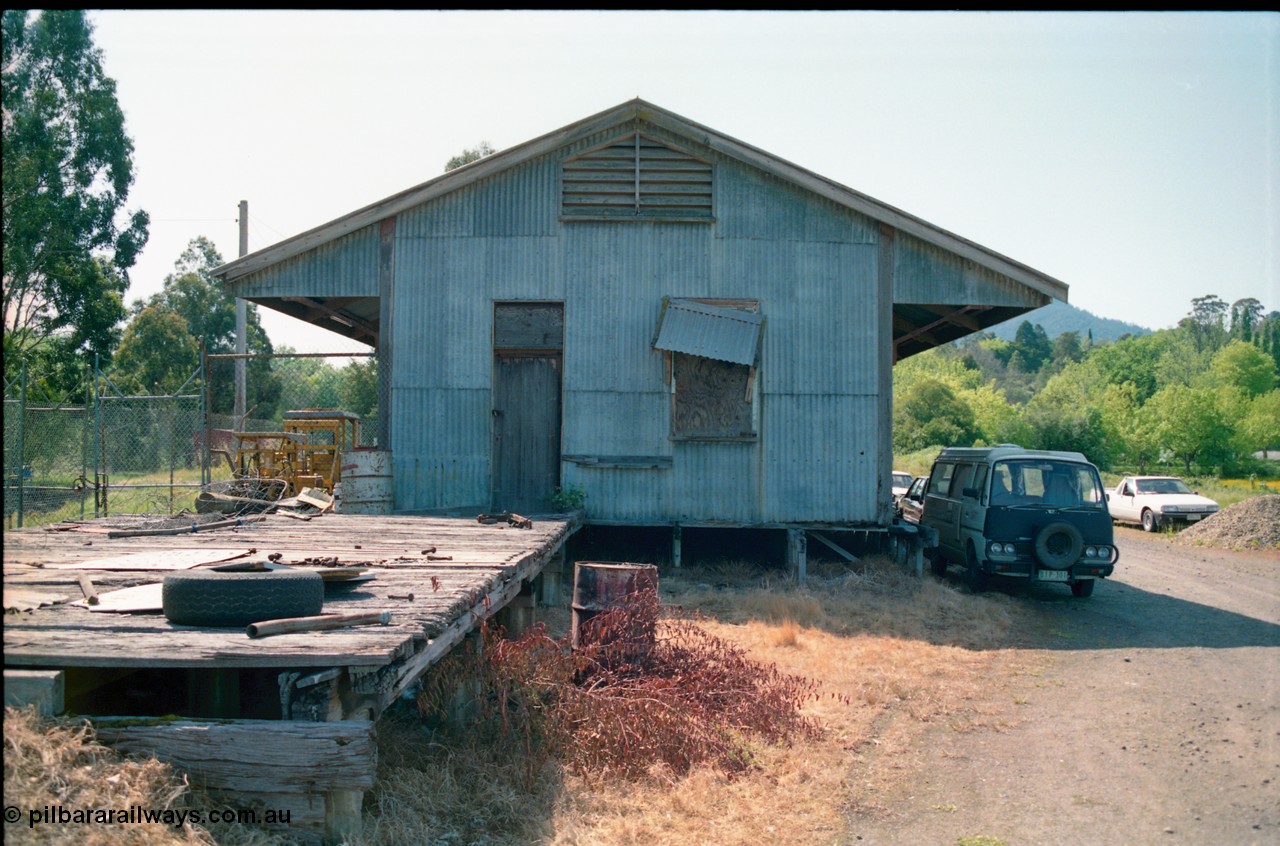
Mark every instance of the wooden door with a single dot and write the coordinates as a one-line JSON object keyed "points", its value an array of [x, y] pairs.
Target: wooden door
{"points": [[527, 365]]}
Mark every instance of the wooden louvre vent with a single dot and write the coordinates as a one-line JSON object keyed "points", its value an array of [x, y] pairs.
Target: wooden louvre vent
{"points": [[636, 177]]}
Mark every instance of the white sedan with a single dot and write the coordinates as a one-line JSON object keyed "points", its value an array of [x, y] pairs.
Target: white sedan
{"points": [[1154, 501], [901, 481]]}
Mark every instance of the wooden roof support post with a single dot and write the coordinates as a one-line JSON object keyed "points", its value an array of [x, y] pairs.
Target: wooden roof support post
{"points": [[386, 328], [797, 554]]}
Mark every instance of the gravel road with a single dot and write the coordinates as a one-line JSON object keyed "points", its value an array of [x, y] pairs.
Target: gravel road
{"points": [[1148, 714]]}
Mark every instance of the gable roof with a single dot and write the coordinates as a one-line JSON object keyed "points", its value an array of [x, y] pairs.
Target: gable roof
{"points": [[640, 110]]}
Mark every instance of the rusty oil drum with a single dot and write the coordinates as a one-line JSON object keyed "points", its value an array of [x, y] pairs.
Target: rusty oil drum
{"points": [[599, 586]]}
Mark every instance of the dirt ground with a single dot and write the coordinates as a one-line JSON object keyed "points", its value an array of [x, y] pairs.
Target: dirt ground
{"points": [[1149, 713]]}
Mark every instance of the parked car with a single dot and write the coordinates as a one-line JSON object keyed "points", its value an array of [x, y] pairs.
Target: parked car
{"points": [[911, 504], [1019, 513], [901, 481], [1156, 501]]}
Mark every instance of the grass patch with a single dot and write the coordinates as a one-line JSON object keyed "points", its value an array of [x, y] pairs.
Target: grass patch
{"points": [[58, 762], [135, 493], [891, 655]]}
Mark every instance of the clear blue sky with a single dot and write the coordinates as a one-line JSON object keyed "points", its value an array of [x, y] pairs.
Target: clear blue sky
{"points": [[1135, 157]]}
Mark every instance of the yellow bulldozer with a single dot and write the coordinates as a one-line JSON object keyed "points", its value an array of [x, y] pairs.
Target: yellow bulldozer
{"points": [[307, 453]]}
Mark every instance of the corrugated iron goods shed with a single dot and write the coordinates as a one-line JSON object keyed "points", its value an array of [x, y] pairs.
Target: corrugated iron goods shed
{"points": [[690, 330]]}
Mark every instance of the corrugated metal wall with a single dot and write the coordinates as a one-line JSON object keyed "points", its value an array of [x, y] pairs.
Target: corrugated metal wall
{"points": [[809, 262]]}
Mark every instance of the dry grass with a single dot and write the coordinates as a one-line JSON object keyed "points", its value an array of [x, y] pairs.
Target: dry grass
{"points": [[58, 764], [893, 656]]}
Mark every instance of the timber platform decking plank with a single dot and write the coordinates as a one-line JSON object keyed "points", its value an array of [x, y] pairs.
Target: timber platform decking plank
{"points": [[483, 559], [169, 559]]}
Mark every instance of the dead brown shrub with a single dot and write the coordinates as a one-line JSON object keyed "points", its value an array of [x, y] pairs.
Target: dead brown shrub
{"points": [[648, 694]]}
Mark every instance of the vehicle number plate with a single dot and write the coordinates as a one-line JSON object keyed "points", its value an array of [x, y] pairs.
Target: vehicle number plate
{"points": [[1052, 575], [1191, 518]]}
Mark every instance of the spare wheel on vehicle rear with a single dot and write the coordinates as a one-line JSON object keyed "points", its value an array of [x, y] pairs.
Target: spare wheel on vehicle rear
{"points": [[1058, 545], [234, 599]]}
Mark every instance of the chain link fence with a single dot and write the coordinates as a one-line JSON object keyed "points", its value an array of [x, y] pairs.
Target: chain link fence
{"points": [[94, 450], [46, 448]]}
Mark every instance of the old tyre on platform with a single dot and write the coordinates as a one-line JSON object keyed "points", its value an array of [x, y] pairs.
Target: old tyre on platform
{"points": [[205, 597]]}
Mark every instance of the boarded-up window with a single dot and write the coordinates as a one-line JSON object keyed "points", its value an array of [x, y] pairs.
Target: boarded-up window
{"points": [[713, 347], [712, 399], [636, 177]]}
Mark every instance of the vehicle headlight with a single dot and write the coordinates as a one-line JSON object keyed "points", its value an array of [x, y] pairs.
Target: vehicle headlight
{"points": [[1169, 509], [1091, 552]]}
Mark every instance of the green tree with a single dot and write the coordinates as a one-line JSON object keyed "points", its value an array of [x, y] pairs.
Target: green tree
{"points": [[1064, 416], [68, 168], [358, 387], [309, 382], [1267, 337], [1206, 322], [1182, 362], [1189, 423], [1246, 316], [1032, 348], [193, 293], [1128, 431], [996, 420], [1244, 366], [930, 414], [1260, 427], [469, 155], [1067, 349], [1133, 360], [945, 364], [157, 354]]}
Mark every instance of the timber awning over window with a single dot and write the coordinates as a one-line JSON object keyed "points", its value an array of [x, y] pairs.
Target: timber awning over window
{"points": [[710, 331], [636, 177]]}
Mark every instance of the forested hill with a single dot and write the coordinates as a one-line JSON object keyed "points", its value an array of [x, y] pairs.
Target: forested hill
{"points": [[1059, 317]]}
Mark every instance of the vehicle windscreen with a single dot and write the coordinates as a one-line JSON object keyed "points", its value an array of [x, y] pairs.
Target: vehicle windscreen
{"points": [[901, 480], [1162, 486], [1057, 484]]}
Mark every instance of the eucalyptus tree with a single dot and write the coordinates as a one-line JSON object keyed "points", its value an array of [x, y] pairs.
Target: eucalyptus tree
{"points": [[68, 168]]}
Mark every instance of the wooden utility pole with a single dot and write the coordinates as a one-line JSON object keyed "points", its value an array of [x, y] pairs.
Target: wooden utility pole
{"points": [[241, 324]]}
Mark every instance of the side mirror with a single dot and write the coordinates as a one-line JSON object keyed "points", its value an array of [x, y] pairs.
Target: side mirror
{"points": [[1108, 497]]}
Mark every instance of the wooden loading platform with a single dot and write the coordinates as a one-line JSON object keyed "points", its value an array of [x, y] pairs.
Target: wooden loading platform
{"points": [[216, 687]]}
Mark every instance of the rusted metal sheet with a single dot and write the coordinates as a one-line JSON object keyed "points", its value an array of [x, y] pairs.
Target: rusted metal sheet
{"points": [[723, 334], [601, 586]]}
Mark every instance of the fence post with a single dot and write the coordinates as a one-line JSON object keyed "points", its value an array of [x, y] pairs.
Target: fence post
{"points": [[84, 440], [22, 451], [99, 491], [206, 472]]}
